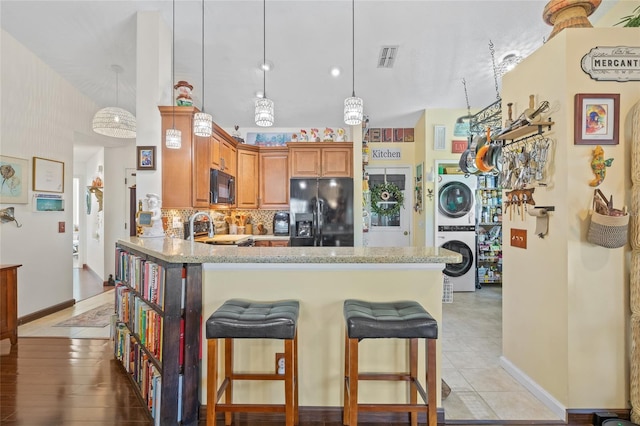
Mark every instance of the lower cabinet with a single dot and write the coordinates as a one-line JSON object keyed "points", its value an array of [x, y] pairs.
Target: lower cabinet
{"points": [[272, 243], [157, 334]]}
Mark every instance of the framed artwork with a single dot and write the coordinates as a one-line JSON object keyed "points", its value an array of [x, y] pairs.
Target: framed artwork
{"points": [[48, 175], [146, 158], [14, 173], [387, 135], [398, 135], [408, 135], [459, 146], [596, 119]]}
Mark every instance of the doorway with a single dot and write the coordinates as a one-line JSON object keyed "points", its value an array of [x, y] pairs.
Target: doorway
{"points": [[77, 249], [390, 230]]}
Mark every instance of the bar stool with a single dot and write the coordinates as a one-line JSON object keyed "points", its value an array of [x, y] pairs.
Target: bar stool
{"points": [[243, 319], [399, 320]]}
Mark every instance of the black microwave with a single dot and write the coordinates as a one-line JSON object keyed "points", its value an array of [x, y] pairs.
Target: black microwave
{"points": [[223, 188]]}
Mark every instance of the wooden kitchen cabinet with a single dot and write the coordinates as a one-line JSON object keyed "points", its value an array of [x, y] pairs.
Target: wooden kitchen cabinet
{"points": [[185, 171], [274, 178], [248, 177], [271, 243], [320, 159], [214, 150], [9, 302], [228, 162], [223, 151]]}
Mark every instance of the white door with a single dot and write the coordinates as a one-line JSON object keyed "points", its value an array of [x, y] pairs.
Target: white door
{"points": [[390, 230]]}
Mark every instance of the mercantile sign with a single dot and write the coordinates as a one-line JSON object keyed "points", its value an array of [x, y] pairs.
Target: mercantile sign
{"points": [[620, 63]]}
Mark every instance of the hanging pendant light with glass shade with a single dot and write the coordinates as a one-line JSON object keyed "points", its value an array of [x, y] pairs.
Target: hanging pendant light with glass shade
{"points": [[264, 106], [173, 136], [353, 106], [202, 122], [114, 121]]}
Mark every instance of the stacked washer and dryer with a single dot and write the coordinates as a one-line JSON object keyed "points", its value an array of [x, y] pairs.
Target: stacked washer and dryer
{"points": [[455, 218]]}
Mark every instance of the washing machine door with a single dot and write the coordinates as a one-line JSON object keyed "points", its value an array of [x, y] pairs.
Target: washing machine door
{"points": [[458, 269], [455, 199]]}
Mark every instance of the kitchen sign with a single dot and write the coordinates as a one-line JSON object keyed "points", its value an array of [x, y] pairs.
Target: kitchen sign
{"points": [[386, 153], [620, 63]]}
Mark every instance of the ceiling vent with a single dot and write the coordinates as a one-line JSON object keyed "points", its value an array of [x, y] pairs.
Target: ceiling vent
{"points": [[387, 56]]}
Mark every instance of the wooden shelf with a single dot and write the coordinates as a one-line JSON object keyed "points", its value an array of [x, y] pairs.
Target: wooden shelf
{"points": [[524, 131]]}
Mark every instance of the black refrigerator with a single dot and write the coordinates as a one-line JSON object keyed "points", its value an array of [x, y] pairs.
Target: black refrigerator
{"points": [[321, 212]]}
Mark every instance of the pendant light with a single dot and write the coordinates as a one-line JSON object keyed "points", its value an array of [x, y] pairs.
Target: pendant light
{"points": [[173, 136], [113, 121], [353, 106], [202, 122], [264, 106]]}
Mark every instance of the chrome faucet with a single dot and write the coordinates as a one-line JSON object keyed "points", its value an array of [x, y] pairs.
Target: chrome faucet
{"points": [[212, 230]]}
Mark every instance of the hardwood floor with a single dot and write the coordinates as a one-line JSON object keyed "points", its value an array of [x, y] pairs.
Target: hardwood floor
{"points": [[61, 381], [76, 382]]}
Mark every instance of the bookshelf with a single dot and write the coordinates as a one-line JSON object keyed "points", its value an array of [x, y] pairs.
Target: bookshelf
{"points": [[157, 334]]}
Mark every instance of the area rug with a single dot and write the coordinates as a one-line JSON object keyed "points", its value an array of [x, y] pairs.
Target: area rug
{"points": [[96, 317]]}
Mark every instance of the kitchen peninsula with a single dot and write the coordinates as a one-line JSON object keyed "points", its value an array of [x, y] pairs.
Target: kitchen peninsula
{"points": [[321, 278]]}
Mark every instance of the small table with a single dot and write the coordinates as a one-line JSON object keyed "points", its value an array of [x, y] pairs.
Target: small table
{"points": [[9, 302]]}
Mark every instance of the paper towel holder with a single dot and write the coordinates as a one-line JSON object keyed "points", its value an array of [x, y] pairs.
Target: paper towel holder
{"points": [[542, 219]]}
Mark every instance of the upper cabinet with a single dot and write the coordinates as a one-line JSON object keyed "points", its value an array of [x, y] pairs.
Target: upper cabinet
{"points": [[185, 171], [223, 151], [274, 178], [247, 188], [320, 159]]}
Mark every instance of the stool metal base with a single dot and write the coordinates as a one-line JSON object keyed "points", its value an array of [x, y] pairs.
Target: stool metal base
{"points": [[352, 377], [214, 393]]}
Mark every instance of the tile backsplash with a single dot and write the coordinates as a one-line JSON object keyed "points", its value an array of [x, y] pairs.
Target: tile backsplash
{"points": [[254, 217]]}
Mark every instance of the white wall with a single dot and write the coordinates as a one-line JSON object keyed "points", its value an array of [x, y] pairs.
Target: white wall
{"points": [[41, 113], [565, 301], [94, 237]]}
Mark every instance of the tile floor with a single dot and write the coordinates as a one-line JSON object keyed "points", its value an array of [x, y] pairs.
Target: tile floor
{"points": [[471, 347]]}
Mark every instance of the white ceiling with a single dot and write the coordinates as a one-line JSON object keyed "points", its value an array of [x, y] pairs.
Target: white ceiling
{"points": [[440, 43]]}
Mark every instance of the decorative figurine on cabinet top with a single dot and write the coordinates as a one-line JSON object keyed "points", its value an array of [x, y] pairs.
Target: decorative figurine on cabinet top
{"points": [[314, 135], [599, 166], [303, 136], [340, 135], [328, 134], [294, 138], [184, 93]]}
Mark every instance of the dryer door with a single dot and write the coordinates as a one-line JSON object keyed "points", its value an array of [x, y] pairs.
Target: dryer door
{"points": [[458, 269], [455, 199]]}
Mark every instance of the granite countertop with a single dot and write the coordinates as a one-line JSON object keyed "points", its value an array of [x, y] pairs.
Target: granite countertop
{"points": [[270, 237], [176, 250]]}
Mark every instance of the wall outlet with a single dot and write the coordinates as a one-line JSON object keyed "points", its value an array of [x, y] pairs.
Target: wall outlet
{"points": [[177, 223], [279, 363]]}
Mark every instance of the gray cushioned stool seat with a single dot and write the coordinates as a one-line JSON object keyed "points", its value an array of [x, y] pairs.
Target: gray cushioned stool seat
{"points": [[243, 319], [377, 320]]}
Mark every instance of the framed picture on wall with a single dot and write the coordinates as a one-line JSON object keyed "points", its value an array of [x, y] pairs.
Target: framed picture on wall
{"points": [[14, 175], [146, 158], [596, 119], [48, 175]]}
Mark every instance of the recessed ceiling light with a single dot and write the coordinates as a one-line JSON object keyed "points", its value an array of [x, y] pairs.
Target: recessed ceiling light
{"points": [[265, 66], [335, 71]]}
